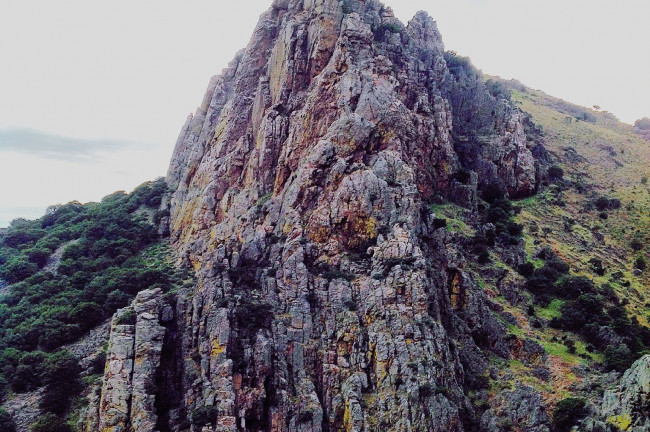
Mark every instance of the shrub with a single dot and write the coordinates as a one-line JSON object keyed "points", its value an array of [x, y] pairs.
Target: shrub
{"points": [[636, 245], [640, 262], [385, 29], [618, 358], [305, 416], [6, 422], [425, 390], [567, 413], [493, 192], [463, 176], [555, 173], [603, 203], [439, 223], [572, 287], [50, 423], [204, 415], [17, 268], [597, 266], [252, 316], [127, 317], [38, 256], [86, 315], [526, 269]]}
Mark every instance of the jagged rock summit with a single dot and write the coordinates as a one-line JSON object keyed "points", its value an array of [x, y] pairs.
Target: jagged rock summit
{"points": [[326, 297]]}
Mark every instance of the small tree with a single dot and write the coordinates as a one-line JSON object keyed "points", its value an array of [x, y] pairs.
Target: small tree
{"points": [[640, 263], [567, 413], [6, 422]]}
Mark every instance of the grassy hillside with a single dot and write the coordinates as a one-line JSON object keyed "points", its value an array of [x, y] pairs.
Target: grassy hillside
{"points": [[68, 272], [586, 300]]}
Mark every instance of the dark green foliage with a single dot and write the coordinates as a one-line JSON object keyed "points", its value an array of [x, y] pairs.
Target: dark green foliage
{"points": [[618, 358], [542, 281], [305, 417], [588, 308], [603, 203], [597, 266], [385, 30], [347, 9], [571, 287], [50, 423], [586, 116], [38, 256], [439, 223], [555, 173], [204, 415], [127, 318], [526, 269], [567, 413], [17, 268], [591, 312], [636, 245], [6, 422], [640, 262], [463, 176], [497, 89], [425, 390], [252, 316], [111, 261]]}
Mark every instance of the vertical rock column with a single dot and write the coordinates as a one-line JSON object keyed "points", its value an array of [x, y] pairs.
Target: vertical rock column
{"points": [[127, 399]]}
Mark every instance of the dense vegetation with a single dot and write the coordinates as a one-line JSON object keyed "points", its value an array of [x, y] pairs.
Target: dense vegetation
{"points": [[595, 313], [109, 252]]}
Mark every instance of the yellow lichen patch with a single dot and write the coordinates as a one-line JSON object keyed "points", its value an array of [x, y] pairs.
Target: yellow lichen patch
{"points": [[382, 370], [217, 349], [360, 230], [622, 422], [319, 234]]}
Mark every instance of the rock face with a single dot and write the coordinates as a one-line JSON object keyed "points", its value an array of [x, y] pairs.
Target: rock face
{"points": [[126, 401], [626, 406], [326, 299]]}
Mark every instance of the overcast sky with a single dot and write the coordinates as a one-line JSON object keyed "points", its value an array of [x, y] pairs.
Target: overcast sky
{"points": [[93, 93]]}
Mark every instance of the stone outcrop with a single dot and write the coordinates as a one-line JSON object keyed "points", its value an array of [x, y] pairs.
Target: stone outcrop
{"points": [[126, 401], [625, 407], [326, 298]]}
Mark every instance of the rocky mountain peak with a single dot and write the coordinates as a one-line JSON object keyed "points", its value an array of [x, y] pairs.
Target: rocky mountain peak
{"points": [[326, 297]]}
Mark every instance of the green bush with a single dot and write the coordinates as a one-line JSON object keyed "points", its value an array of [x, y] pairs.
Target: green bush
{"points": [[597, 266], [305, 417], [618, 358], [568, 412], [38, 256], [571, 287], [127, 318], [526, 269], [17, 268], [640, 262], [555, 173], [6, 422], [100, 273], [50, 423], [204, 415]]}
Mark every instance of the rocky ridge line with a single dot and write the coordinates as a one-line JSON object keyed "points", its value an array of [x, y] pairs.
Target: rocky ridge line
{"points": [[326, 297]]}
